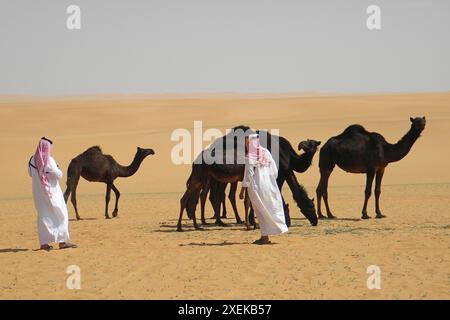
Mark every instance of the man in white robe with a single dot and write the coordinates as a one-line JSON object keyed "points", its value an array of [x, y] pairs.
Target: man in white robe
{"points": [[53, 219], [260, 179]]}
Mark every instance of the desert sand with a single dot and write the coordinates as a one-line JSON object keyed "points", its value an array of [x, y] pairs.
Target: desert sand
{"points": [[140, 254]]}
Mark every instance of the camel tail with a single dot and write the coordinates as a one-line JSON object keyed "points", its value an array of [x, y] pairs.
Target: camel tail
{"points": [[192, 204], [188, 181], [73, 176]]}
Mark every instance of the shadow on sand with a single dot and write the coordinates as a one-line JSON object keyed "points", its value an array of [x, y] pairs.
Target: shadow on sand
{"points": [[82, 219], [204, 244], [341, 219], [12, 250], [334, 219], [209, 226]]}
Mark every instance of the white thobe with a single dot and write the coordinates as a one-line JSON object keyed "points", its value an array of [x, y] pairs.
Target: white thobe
{"points": [[53, 220], [265, 196]]}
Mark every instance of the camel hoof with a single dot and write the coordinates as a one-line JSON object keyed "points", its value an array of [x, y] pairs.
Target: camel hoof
{"points": [[179, 229], [380, 216], [365, 217], [107, 217], [114, 214], [220, 223], [331, 216], [205, 223], [239, 222], [320, 216]]}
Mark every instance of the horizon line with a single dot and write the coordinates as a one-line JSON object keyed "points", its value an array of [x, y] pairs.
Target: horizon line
{"points": [[13, 97]]}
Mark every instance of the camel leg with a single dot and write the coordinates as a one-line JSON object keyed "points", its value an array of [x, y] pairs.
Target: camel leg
{"points": [[183, 203], [72, 184], [287, 217], [72, 190], [216, 201], [251, 215], [116, 207], [378, 178], [327, 206], [190, 194], [249, 209], [222, 199], [212, 194], [203, 197], [67, 194], [367, 192], [322, 191], [319, 192], [249, 212], [218, 190], [107, 198], [246, 210], [191, 205], [232, 198], [73, 199]]}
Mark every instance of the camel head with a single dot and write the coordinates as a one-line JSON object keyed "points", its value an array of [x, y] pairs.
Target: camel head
{"points": [[309, 146], [306, 204], [143, 153], [418, 123], [309, 211]]}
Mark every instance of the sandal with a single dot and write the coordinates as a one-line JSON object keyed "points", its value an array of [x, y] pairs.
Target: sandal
{"points": [[68, 246], [46, 247], [261, 242]]}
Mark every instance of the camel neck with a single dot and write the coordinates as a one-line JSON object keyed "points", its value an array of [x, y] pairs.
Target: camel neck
{"points": [[127, 171], [397, 151], [301, 163]]}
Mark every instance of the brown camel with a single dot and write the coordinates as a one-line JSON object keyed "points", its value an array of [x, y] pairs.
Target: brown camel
{"points": [[94, 166], [358, 151]]}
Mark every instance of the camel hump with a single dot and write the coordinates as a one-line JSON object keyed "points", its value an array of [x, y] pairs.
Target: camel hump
{"points": [[352, 130], [376, 137], [240, 127], [88, 154], [94, 149]]}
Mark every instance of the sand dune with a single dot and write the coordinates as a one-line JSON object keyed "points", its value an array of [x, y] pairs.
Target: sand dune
{"points": [[140, 255]]}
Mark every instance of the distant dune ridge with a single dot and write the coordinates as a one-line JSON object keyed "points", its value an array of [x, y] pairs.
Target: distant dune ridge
{"points": [[120, 125]]}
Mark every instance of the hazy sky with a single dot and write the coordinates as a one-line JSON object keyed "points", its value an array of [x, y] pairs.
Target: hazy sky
{"points": [[184, 46]]}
